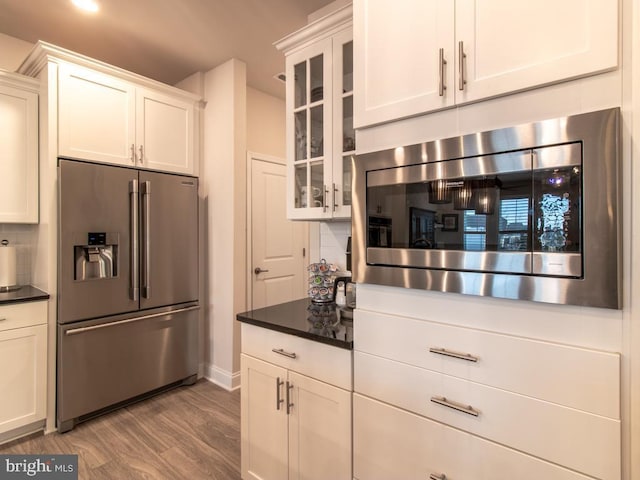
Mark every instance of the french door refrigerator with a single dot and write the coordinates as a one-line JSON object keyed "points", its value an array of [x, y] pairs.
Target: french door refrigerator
{"points": [[127, 286]]}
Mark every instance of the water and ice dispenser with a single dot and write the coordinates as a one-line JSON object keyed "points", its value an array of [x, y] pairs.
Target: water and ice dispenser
{"points": [[95, 255]]}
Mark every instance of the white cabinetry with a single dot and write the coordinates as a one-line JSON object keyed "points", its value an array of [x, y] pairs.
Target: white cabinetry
{"points": [[18, 149], [528, 403], [424, 55], [319, 111], [296, 407], [23, 358], [108, 119]]}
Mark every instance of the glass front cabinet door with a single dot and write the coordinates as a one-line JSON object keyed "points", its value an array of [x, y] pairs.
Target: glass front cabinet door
{"points": [[320, 134]]}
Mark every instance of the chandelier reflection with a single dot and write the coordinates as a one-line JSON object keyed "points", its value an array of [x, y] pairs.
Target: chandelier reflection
{"points": [[486, 196], [439, 192], [463, 195]]}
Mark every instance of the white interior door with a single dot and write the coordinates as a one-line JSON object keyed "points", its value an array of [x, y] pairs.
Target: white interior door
{"points": [[278, 246]]}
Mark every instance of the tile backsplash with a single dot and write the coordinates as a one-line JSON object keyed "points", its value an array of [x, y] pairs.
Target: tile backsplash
{"points": [[333, 242], [24, 238]]}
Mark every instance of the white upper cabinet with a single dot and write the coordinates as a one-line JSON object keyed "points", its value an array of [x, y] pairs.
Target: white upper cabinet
{"points": [[164, 132], [107, 119], [319, 118], [96, 115], [402, 63], [422, 55], [18, 149]]}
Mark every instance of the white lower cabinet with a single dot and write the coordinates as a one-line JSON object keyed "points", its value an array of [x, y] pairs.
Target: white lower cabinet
{"points": [[390, 443], [441, 401], [23, 360], [293, 426]]}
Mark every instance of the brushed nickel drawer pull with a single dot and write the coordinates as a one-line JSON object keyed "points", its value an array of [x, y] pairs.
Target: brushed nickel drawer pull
{"points": [[280, 351], [433, 476], [448, 353], [279, 400], [469, 410]]}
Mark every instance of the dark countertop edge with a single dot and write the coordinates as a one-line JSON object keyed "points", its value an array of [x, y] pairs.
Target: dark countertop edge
{"points": [[242, 317], [25, 294], [298, 333]]}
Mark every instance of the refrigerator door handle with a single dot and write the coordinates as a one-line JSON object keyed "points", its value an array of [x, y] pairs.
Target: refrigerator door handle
{"points": [[146, 225], [134, 289]]}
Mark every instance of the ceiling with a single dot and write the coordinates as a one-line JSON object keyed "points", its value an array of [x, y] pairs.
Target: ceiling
{"points": [[167, 40]]}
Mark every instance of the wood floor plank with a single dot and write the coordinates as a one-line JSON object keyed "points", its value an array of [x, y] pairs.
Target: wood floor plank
{"points": [[186, 433]]}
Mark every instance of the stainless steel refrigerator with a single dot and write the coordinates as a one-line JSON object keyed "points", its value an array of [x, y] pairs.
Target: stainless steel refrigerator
{"points": [[127, 286]]}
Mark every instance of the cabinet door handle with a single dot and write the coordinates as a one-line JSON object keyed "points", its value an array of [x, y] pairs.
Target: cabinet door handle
{"points": [[289, 402], [434, 476], [448, 353], [141, 150], [468, 409], [282, 352], [133, 153], [325, 194], [3, 319], [441, 64], [279, 400], [335, 191], [462, 80]]}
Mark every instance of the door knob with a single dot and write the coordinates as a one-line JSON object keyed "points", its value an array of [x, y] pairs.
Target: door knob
{"points": [[258, 270]]}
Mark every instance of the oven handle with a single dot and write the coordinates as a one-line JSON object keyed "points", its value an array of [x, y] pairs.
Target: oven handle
{"points": [[75, 331]]}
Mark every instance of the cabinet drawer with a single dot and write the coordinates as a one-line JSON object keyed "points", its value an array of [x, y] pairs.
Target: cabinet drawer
{"points": [[585, 379], [317, 360], [391, 444], [17, 315], [566, 436]]}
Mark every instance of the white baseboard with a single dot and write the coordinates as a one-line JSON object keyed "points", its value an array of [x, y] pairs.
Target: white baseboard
{"points": [[223, 378]]}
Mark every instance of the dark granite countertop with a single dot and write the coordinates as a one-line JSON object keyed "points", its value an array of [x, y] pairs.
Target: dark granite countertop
{"points": [[321, 323], [26, 293]]}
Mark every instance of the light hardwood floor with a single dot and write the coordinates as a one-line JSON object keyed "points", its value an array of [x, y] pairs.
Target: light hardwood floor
{"points": [[186, 433]]}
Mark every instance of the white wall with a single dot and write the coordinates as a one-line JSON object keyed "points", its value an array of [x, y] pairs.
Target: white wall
{"points": [[223, 189], [14, 51], [265, 124]]}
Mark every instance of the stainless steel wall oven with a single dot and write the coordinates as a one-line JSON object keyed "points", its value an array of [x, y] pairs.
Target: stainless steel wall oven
{"points": [[528, 212]]}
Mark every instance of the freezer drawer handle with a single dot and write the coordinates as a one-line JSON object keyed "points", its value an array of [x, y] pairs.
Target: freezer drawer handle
{"points": [[75, 331], [280, 351], [448, 353], [469, 410]]}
